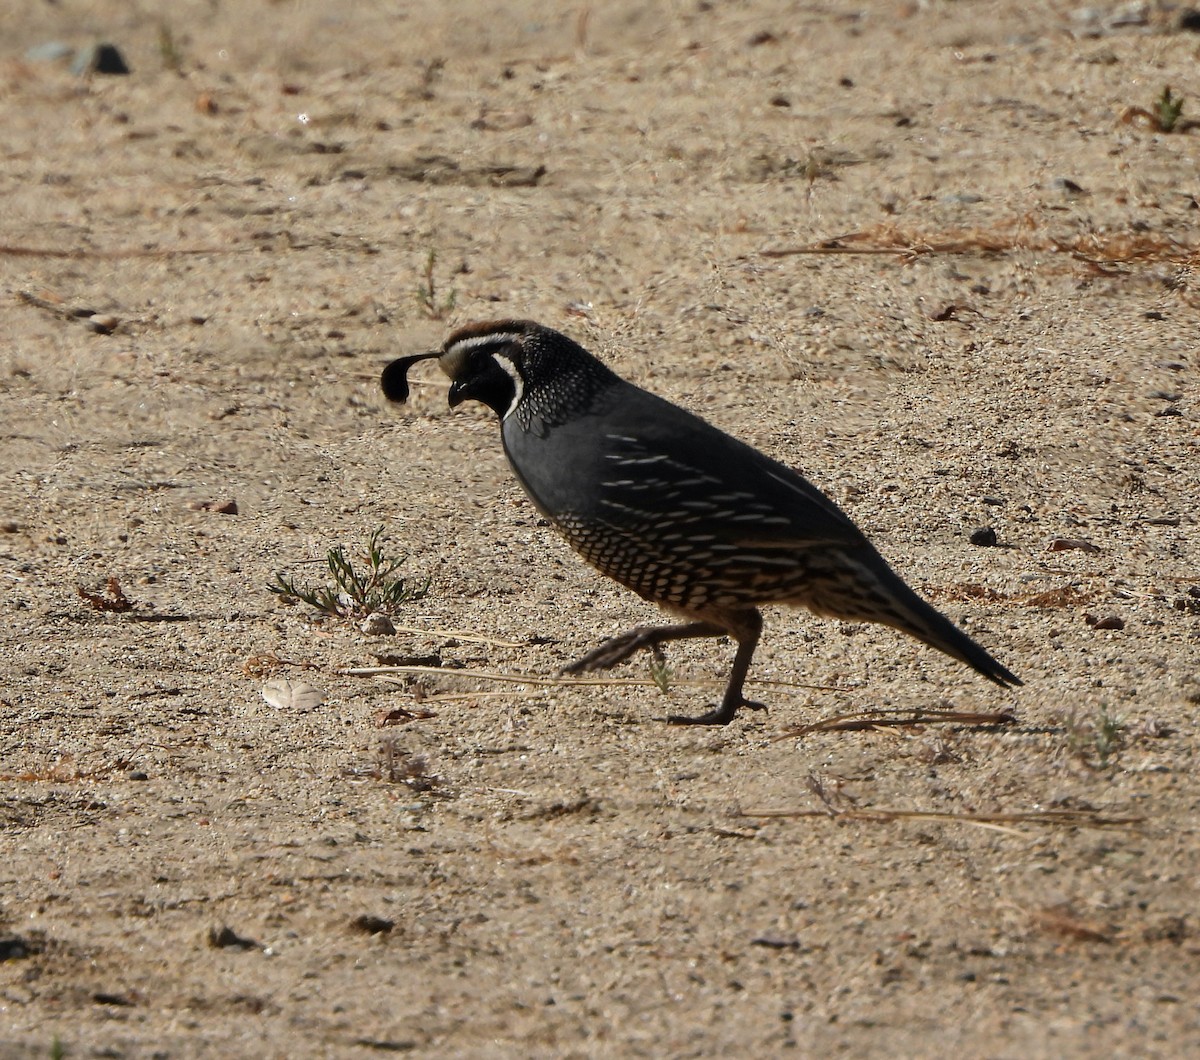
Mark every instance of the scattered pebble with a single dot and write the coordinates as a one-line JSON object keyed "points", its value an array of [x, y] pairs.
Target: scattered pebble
{"points": [[778, 942], [948, 311], [1188, 20], [502, 121], [1155, 729], [1189, 603], [372, 925], [103, 323], [17, 947], [104, 997], [1068, 187], [399, 716], [99, 59], [1107, 622], [378, 625], [224, 937], [220, 507], [985, 536]]}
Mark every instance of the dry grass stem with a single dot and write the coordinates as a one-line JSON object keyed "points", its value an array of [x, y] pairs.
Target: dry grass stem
{"points": [[1062, 920], [536, 679], [1022, 235], [68, 770], [461, 634], [899, 717], [1049, 818]]}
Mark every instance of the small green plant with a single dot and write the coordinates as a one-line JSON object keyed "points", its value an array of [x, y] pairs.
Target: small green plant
{"points": [[1096, 740], [168, 49], [661, 671], [1164, 115], [1167, 109], [57, 1051], [356, 591], [1109, 736], [434, 306]]}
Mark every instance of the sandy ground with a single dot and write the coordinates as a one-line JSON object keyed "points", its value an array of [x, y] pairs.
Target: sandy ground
{"points": [[525, 869]]}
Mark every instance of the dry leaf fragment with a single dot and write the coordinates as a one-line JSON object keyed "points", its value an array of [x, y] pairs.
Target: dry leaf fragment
{"points": [[114, 600], [283, 694], [399, 715], [1063, 544]]}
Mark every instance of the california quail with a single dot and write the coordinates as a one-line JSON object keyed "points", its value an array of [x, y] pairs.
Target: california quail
{"points": [[674, 509]]}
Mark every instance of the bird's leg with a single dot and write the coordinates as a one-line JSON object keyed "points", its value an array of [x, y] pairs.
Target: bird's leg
{"points": [[620, 648], [745, 628]]}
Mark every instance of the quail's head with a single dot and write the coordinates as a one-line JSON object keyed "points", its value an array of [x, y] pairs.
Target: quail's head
{"points": [[511, 366], [484, 362]]}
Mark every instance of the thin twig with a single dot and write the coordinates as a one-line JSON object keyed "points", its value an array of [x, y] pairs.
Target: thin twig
{"points": [[8, 250], [489, 675], [1085, 819], [899, 717], [460, 634], [536, 679], [890, 240], [467, 697], [1059, 818]]}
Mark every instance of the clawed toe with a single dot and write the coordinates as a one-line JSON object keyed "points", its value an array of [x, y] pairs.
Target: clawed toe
{"points": [[713, 717], [604, 657], [745, 629], [721, 715], [611, 652]]}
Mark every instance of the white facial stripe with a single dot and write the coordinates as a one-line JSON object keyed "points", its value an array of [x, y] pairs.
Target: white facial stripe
{"points": [[494, 337], [456, 356], [509, 365]]}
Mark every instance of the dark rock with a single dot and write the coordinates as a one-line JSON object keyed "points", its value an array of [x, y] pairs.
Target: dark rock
{"points": [[223, 938], [372, 925], [99, 59]]}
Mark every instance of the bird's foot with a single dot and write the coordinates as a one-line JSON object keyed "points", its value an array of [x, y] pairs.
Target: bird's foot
{"points": [[613, 651], [721, 715]]}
